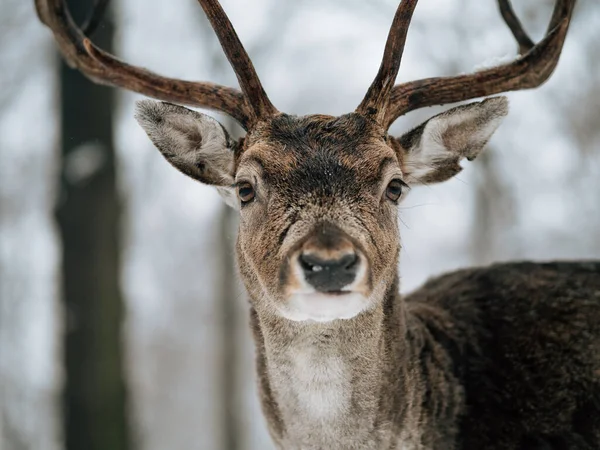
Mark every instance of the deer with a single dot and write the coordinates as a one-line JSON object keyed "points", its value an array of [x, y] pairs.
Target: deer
{"points": [[499, 357]]}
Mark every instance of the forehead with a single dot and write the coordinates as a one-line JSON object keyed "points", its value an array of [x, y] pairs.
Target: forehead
{"points": [[348, 147]]}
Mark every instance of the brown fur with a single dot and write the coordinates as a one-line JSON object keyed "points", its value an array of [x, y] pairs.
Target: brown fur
{"points": [[506, 357]]}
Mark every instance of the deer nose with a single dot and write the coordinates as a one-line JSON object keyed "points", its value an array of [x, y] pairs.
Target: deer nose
{"points": [[327, 274]]}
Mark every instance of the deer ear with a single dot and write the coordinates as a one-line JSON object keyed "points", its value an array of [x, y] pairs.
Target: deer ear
{"points": [[195, 144], [432, 152]]}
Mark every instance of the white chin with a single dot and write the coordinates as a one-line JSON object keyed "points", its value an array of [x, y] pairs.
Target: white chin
{"points": [[321, 307]]}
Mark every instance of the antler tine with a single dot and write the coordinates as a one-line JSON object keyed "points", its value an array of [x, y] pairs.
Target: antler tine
{"points": [[240, 61], [102, 67], [562, 9], [526, 72], [377, 98], [513, 22]]}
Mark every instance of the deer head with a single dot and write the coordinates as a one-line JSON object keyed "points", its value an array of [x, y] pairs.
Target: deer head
{"points": [[317, 195]]}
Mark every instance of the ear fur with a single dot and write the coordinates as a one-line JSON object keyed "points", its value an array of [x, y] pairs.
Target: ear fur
{"points": [[194, 143], [432, 152]]}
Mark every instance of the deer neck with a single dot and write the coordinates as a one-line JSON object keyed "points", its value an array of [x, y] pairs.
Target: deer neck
{"points": [[328, 385]]}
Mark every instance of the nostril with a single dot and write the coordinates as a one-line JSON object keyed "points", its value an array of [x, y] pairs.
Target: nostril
{"points": [[349, 261], [311, 263]]}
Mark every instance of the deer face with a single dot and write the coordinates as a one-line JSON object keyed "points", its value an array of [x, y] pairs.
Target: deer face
{"points": [[331, 237], [317, 195]]}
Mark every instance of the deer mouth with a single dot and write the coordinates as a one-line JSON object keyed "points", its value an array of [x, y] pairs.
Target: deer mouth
{"points": [[325, 277], [324, 307]]}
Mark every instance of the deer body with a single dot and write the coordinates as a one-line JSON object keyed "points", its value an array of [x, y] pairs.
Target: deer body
{"points": [[438, 369], [506, 357]]}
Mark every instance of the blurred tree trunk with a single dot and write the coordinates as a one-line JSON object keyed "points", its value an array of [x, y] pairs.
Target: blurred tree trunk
{"points": [[229, 311], [494, 214], [228, 308], [88, 214]]}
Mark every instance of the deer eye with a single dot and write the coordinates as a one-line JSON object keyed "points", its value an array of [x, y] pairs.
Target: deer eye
{"points": [[394, 190], [245, 192]]}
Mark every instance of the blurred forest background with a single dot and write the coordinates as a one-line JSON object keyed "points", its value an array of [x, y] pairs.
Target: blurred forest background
{"points": [[122, 323]]}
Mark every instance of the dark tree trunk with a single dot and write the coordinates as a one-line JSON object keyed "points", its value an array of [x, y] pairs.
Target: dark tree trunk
{"points": [[88, 217]]}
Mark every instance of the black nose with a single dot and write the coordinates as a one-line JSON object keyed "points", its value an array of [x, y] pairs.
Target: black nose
{"points": [[329, 275]]}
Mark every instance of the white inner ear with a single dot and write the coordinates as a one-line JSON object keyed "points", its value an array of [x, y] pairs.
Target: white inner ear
{"points": [[458, 133], [474, 136], [430, 148]]}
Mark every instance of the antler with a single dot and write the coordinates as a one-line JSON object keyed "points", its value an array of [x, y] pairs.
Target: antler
{"points": [[532, 68], [377, 99], [384, 102], [247, 107], [529, 70]]}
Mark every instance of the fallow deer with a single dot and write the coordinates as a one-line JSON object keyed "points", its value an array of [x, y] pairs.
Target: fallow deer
{"points": [[503, 357]]}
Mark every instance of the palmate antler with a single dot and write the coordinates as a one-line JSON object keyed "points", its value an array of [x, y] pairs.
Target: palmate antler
{"points": [[532, 68], [247, 107], [384, 101]]}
